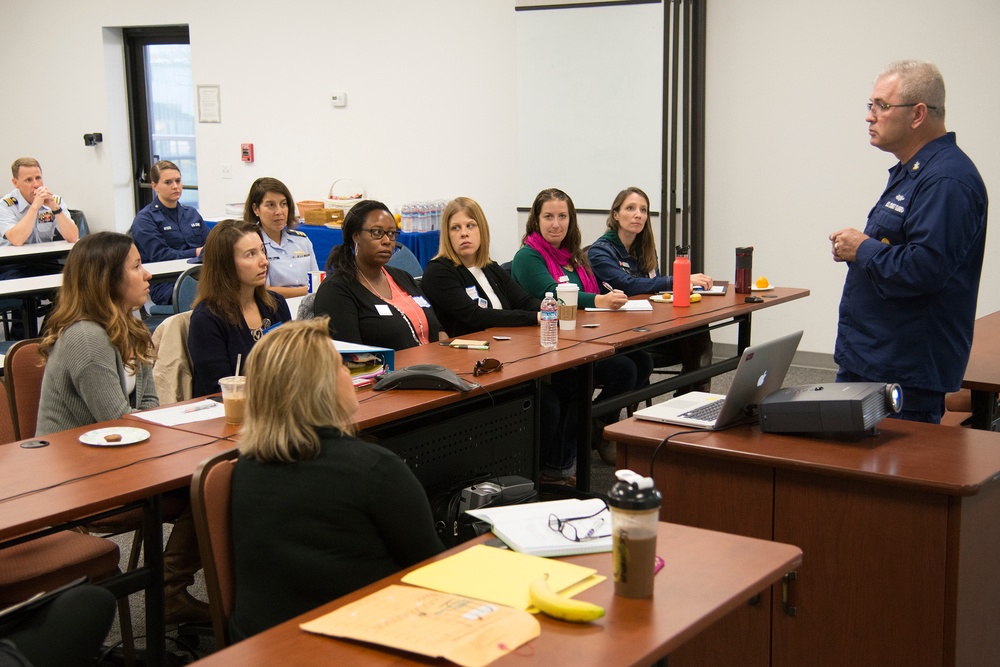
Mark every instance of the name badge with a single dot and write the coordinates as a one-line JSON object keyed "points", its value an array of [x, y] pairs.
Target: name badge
{"points": [[563, 279], [168, 228], [422, 302], [482, 303], [472, 292], [196, 224], [383, 310]]}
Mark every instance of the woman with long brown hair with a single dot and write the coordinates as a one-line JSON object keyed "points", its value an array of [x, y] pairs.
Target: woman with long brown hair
{"points": [[98, 365], [98, 356], [233, 308]]}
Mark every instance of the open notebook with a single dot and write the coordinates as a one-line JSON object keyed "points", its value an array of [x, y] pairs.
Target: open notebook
{"points": [[761, 370]]}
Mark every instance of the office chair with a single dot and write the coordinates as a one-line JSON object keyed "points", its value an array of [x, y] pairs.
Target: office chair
{"points": [[211, 503], [404, 259]]}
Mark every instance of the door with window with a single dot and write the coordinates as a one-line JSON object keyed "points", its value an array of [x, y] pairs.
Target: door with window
{"points": [[161, 107]]}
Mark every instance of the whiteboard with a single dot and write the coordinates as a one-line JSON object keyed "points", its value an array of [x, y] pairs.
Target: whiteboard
{"points": [[589, 102]]}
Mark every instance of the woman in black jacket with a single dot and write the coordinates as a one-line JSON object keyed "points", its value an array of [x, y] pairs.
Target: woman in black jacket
{"points": [[469, 291], [368, 302]]}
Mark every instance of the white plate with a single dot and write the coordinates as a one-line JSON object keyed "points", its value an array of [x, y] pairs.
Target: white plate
{"points": [[129, 434], [762, 289]]}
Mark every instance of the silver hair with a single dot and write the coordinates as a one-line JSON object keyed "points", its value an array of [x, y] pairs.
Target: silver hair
{"points": [[919, 81]]}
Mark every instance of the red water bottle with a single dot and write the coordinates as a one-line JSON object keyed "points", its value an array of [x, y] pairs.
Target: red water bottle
{"points": [[682, 278]]}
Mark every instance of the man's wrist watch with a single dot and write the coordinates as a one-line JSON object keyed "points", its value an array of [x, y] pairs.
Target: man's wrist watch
{"points": [[57, 211]]}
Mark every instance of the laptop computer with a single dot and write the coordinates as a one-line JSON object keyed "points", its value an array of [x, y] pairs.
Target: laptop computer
{"points": [[760, 371]]}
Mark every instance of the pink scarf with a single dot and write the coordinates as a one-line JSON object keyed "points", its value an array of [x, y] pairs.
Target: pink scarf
{"points": [[557, 258]]}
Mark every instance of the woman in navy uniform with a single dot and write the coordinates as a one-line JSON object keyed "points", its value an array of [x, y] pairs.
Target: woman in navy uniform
{"points": [[167, 229], [289, 252]]}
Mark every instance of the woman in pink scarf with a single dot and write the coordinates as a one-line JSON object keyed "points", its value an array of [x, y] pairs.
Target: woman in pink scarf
{"points": [[552, 254]]}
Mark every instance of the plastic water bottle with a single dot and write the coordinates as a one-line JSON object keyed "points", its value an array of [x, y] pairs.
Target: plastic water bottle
{"points": [[550, 321], [682, 279], [407, 221]]}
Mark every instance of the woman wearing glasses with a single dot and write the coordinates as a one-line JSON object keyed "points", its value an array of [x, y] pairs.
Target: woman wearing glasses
{"points": [[233, 308], [368, 302]]}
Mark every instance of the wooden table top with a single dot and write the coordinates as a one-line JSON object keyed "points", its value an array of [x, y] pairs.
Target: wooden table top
{"points": [[69, 480], [948, 459], [523, 356], [524, 359], [706, 574], [983, 371], [618, 328]]}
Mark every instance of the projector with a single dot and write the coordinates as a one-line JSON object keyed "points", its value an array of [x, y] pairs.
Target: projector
{"points": [[842, 410]]}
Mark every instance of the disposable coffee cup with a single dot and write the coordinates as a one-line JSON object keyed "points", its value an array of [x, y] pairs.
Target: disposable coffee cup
{"points": [[234, 398], [568, 295], [635, 515], [316, 279]]}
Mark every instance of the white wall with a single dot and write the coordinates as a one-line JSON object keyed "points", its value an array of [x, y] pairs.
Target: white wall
{"points": [[432, 113], [430, 87], [787, 148]]}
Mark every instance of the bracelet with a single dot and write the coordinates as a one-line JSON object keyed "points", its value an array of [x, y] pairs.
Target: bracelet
{"points": [[57, 211]]}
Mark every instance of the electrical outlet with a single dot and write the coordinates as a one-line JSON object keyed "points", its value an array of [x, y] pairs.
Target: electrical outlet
{"points": [[227, 170]]}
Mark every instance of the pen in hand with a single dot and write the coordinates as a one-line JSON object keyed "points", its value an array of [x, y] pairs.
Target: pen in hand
{"points": [[608, 287]]}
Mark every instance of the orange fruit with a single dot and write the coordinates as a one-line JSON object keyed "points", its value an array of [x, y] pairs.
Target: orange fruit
{"points": [[761, 282]]}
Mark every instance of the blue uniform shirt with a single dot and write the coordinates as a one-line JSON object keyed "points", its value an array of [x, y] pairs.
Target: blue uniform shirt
{"points": [[13, 207], [161, 236], [291, 260], [909, 301]]}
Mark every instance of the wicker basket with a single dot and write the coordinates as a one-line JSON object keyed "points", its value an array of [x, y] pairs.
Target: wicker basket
{"points": [[344, 194]]}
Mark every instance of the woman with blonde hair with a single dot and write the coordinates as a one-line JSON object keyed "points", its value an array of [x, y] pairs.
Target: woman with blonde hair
{"points": [[98, 356], [468, 290], [98, 366], [317, 513], [233, 308]]}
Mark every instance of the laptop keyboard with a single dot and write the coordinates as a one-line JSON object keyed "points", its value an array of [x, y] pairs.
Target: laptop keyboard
{"points": [[708, 412]]}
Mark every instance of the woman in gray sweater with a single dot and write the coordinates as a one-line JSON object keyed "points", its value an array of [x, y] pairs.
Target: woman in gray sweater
{"points": [[98, 356], [98, 366]]}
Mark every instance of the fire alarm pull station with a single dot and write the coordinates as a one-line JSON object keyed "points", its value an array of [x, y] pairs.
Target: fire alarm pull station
{"points": [[246, 152]]}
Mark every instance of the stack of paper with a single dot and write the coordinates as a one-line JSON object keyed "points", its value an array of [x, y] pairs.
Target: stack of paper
{"points": [[525, 528], [501, 576]]}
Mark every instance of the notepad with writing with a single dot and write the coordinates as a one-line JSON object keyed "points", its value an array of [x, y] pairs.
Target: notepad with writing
{"points": [[525, 528]]}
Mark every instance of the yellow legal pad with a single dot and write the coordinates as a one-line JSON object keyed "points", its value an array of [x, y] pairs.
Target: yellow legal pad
{"points": [[468, 632], [498, 575]]}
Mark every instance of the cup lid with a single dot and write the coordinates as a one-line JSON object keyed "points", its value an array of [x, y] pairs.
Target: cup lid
{"points": [[632, 491]]}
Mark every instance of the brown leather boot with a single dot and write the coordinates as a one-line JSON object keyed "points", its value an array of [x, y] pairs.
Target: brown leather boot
{"points": [[181, 561]]}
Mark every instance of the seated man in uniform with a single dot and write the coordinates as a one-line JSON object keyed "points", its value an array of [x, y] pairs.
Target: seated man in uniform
{"points": [[30, 213], [167, 229]]}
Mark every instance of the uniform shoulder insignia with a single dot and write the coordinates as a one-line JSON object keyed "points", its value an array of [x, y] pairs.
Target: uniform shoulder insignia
{"points": [[295, 232], [10, 201]]}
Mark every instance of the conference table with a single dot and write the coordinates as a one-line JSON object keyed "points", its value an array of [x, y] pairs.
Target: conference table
{"points": [[43, 287], [16, 254], [705, 576], [899, 533], [982, 375], [629, 330], [67, 483]]}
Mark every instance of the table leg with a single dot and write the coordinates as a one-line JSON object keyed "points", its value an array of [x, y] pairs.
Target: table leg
{"points": [[584, 397], [152, 529], [984, 410]]}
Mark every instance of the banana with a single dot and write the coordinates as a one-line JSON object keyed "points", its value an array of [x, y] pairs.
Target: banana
{"points": [[566, 609]]}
